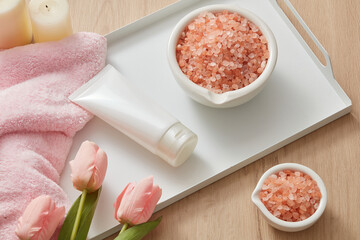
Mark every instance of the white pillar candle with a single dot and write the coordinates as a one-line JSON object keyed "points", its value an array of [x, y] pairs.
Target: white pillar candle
{"points": [[50, 19], [15, 26]]}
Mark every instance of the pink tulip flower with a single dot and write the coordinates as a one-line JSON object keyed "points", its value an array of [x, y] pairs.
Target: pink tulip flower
{"points": [[89, 167], [40, 219], [137, 202]]}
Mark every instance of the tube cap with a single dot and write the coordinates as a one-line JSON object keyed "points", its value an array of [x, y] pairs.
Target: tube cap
{"points": [[177, 144]]}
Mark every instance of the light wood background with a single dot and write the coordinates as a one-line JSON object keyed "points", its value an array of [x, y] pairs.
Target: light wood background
{"points": [[223, 210]]}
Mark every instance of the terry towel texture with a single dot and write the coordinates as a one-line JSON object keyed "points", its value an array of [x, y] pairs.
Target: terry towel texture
{"points": [[37, 121]]}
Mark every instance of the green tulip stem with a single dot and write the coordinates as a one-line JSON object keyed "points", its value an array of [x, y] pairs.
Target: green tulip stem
{"points": [[78, 215], [124, 227]]}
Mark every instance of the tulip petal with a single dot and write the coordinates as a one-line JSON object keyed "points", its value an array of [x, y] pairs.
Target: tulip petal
{"points": [[82, 165], [99, 171], [141, 193], [119, 199], [126, 205], [149, 205], [51, 222]]}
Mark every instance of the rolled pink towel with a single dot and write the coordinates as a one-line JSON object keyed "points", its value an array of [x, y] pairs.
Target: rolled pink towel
{"points": [[37, 121]]}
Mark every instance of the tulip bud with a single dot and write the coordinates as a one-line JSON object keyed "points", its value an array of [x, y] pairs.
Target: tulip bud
{"points": [[89, 167], [40, 219], [137, 202]]}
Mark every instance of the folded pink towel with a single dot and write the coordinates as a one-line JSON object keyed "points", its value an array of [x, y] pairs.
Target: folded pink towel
{"points": [[37, 121]]}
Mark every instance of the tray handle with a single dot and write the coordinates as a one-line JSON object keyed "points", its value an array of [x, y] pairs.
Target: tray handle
{"points": [[326, 69]]}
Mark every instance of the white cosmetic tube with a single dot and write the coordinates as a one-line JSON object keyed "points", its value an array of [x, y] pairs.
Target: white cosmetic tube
{"points": [[113, 99]]}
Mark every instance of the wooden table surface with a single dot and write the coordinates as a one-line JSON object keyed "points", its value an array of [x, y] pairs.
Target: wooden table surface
{"points": [[223, 210]]}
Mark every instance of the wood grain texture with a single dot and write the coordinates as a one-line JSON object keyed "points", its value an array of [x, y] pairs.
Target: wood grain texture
{"points": [[223, 210]]}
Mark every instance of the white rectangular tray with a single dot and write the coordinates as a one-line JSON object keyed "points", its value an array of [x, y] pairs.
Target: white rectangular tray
{"points": [[302, 95]]}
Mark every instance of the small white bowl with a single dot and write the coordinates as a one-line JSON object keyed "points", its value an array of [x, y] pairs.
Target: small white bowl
{"points": [[231, 98], [284, 225]]}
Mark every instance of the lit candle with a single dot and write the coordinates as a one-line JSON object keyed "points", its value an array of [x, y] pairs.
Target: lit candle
{"points": [[50, 19], [15, 26]]}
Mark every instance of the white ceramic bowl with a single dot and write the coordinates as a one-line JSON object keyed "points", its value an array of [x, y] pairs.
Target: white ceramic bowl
{"points": [[278, 223], [231, 98]]}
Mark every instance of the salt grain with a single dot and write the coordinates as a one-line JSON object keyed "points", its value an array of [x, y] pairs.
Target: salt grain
{"points": [[191, 26], [291, 196], [277, 213]]}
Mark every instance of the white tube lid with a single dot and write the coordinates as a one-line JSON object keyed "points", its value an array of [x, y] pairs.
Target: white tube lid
{"points": [[177, 144]]}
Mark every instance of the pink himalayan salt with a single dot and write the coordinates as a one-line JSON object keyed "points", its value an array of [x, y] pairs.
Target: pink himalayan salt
{"points": [[290, 195], [222, 51]]}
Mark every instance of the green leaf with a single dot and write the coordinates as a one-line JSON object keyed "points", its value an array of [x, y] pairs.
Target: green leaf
{"points": [[86, 217], [139, 231]]}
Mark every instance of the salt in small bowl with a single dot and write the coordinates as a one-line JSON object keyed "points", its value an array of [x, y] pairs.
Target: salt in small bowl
{"points": [[231, 98], [281, 224]]}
